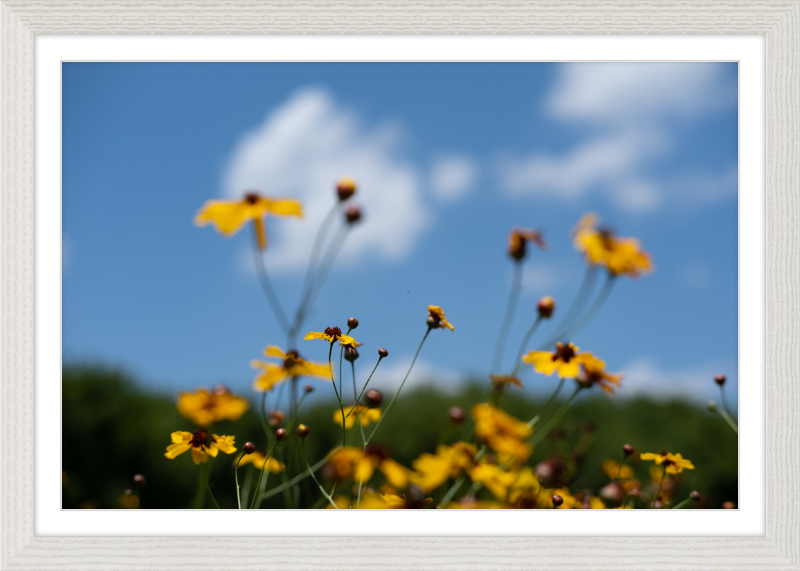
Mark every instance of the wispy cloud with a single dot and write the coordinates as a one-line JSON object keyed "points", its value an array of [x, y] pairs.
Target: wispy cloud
{"points": [[630, 112], [452, 177], [302, 149], [646, 377]]}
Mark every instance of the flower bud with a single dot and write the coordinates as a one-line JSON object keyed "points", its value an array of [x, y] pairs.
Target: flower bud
{"points": [[221, 390], [374, 398], [139, 480], [432, 322], [719, 379], [457, 415], [303, 431], [350, 353], [281, 434], [728, 506], [249, 447], [308, 388], [276, 417], [557, 500], [352, 214], [695, 495], [345, 188], [627, 449], [546, 306], [352, 323], [658, 504], [712, 406], [383, 353], [612, 493]]}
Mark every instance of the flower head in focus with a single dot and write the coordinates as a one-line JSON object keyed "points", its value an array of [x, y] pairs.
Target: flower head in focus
{"points": [[203, 445], [673, 463], [566, 361], [204, 407], [518, 240], [230, 215], [621, 256], [332, 335], [436, 318], [272, 374]]}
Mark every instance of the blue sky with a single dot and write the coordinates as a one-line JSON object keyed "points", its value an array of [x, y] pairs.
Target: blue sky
{"points": [[448, 157]]}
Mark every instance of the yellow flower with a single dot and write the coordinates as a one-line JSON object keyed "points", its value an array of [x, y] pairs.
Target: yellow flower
{"points": [[505, 380], [594, 373], [202, 444], [621, 256], [366, 414], [436, 314], [257, 459], [229, 215], [493, 478], [611, 469], [372, 501], [204, 407], [352, 462], [331, 335], [525, 490], [566, 361], [673, 463], [518, 240], [503, 433], [433, 470], [293, 366]]}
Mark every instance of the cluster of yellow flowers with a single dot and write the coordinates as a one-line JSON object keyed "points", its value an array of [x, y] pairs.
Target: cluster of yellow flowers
{"points": [[487, 466]]}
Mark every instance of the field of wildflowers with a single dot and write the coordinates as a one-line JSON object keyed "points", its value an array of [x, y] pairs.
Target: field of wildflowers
{"points": [[484, 457]]}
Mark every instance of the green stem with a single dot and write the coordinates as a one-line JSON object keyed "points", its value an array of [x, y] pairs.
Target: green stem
{"points": [[593, 309], [502, 335], [261, 474], [524, 344], [341, 352], [391, 402], [208, 486], [576, 307], [344, 430], [236, 477], [655, 498], [553, 421], [367, 383], [358, 414], [683, 503], [311, 472], [547, 405], [452, 491], [621, 464], [200, 496], [732, 423], [269, 291]]}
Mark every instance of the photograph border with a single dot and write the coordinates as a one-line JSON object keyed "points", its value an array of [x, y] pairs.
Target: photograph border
{"points": [[21, 21]]}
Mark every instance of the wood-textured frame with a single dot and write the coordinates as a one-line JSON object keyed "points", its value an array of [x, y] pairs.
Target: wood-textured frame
{"points": [[779, 21]]}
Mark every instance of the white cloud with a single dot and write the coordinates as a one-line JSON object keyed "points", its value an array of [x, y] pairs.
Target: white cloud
{"points": [[644, 377], [630, 111], [452, 177], [542, 279], [301, 150], [633, 92]]}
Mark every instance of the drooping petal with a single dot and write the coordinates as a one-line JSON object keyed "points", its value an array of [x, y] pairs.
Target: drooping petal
{"points": [[181, 436], [228, 216], [224, 443], [269, 377], [396, 474], [317, 335], [568, 370], [274, 351], [347, 340], [174, 450], [284, 207], [198, 456]]}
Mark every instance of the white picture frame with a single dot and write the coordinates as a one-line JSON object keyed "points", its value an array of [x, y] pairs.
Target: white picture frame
{"points": [[778, 21]]}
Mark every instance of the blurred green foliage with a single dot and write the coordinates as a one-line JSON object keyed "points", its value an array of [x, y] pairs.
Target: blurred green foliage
{"points": [[112, 429]]}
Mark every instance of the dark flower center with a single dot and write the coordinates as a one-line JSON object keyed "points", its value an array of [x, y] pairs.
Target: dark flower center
{"points": [[251, 198], [334, 332], [199, 438], [607, 237], [377, 451], [564, 353], [292, 357]]}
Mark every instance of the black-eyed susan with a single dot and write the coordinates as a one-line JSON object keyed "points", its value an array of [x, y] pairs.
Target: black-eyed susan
{"points": [[518, 240], [673, 463], [272, 374], [258, 459], [202, 443], [358, 412], [332, 335], [566, 361], [230, 215], [594, 373], [436, 318], [621, 256], [204, 407]]}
